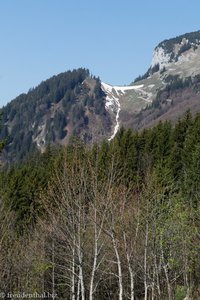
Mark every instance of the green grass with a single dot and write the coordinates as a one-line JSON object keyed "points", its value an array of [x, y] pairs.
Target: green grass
{"points": [[180, 292]]}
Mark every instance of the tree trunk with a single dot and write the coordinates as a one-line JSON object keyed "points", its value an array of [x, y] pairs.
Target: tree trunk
{"points": [[169, 289], [131, 274], [73, 274], [94, 265], [95, 259], [80, 258], [132, 282], [119, 268]]}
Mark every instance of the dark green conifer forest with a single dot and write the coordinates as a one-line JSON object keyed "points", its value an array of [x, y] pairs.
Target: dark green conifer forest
{"points": [[119, 220]]}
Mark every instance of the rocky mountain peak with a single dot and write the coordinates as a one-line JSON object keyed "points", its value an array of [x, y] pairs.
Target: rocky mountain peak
{"points": [[175, 49]]}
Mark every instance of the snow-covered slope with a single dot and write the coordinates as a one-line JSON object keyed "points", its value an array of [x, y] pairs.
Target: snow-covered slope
{"points": [[114, 98]]}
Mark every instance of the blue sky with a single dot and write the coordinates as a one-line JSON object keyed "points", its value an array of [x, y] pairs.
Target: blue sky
{"points": [[113, 38]]}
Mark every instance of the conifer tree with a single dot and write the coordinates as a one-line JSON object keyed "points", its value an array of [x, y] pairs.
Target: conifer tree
{"points": [[2, 143]]}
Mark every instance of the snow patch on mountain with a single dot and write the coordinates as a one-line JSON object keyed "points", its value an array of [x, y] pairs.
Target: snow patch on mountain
{"points": [[112, 104], [113, 93], [124, 89], [110, 97]]}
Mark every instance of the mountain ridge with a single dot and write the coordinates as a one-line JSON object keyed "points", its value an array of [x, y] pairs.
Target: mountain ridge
{"points": [[77, 103]]}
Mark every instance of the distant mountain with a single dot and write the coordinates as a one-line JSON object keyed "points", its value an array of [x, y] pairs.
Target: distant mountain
{"points": [[74, 103], [168, 88]]}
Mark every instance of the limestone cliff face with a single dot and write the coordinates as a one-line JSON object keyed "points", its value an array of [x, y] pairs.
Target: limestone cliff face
{"points": [[160, 57], [180, 48]]}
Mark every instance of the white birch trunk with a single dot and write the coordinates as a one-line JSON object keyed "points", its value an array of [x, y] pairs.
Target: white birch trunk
{"points": [[157, 276], [153, 285], [131, 274], [78, 288], [120, 281], [132, 281], [169, 289], [95, 259], [73, 274], [82, 284], [80, 258]]}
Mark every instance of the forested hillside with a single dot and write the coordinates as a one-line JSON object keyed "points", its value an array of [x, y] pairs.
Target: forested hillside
{"points": [[120, 220], [193, 38], [64, 105]]}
